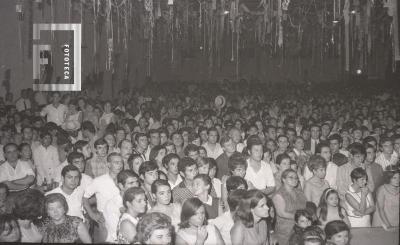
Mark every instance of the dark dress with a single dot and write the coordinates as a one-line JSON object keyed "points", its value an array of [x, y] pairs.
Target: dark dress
{"points": [[66, 232]]}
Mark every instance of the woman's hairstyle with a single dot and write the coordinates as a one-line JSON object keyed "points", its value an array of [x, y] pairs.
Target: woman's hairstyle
{"points": [[233, 182], [237, 160], [147, 167], [334, 227], [189, 208], [154, 152], [323, 206], [304, 213], [29, 205], [281, 157], [358, 173], [168, 158], [124, 175], [390, 171], [80, 144], [131, 159], [286, 173], [313, 234], [10, 220], [157, 183], [249, 201], [206, 180], [131, 193], [316, 162], [56, 197], [151, 222]]}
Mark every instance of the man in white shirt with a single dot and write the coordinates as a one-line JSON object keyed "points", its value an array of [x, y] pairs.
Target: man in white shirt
{"points": [[258, 171], [113, 208], [23, 103], [46, 159], [213, 148], [55, 112], [78, 160], [16, 174], [388, 156], [71, 190], [104, 188]]}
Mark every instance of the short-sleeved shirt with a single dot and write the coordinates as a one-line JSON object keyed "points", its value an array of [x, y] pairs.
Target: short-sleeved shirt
{"points": [[263, 178], [21, 170], [74, 201], [104, 188]]}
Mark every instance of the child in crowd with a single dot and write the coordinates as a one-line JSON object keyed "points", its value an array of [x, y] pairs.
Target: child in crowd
{"points": [[302, 219], [330, 209]]}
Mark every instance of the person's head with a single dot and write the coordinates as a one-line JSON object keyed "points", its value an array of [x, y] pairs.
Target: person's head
{"points": [[161, 191], [115, 163], [317, 165], [29, 205], [110, 139], [88, 128], [202, 151], [370, 151], [177, 139], [70, 176], [315, 131], [192, 151], [212, 135], [299, 143], [255, 148], [359, 177], [56, 206], [283, 142], [234, 198], [170, 147], [329, 198], [157, 153], [201, 184], [386, 145], [290, 178], [228, 145], [11, 152], [236, 183], [163, 136], [392, 175], [27, 133], [101, 147], [134, 199], [313, 235], [9, 229], [252, 207], [370, 140], [357, 153], [303, 218], [148, 172], [77, 159], [141, 141], [56, 97], [337, 232], [170, 162], [237, 164], [127, 179], [154, 137], [212, 167], [83, 147], [203, 165], [283, 161], [324, 151], [335, 142], [126, 148], [193, 213], [187, 168], [134, 162], [154, 228]]}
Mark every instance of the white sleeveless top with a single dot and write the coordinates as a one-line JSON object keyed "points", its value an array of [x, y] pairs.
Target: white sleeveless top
{"points": [[133, 220], [358, 221]]}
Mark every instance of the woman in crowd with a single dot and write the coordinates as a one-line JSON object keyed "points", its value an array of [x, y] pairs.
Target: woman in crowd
{"points": [[202, 186], [250, 225], [28, 207], [330, 209], [134, 162], [155, 228], [302, 219], [387, 200], [58, 227], [315, 186], [337, 233], [359, 201], [135, 203], [287, 200], [157, 153], [163, 195], [194, 228]]}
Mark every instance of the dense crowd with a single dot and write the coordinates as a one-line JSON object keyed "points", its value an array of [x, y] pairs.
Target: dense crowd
{"points": [[174, 164]]}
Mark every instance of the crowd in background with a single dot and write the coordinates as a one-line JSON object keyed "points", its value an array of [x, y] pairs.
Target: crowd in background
{"points": [[200, 164]]}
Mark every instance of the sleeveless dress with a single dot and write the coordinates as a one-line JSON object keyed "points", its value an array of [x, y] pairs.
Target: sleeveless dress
{"points": [[390, 207], [256, 235], [358, 221], [283, 225], [66, 232], [191, 239], [125, 216]]}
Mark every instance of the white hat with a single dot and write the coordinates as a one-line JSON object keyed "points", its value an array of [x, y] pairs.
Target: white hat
{"points": [[220, 101]]}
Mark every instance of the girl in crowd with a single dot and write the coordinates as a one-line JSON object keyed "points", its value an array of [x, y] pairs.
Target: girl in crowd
{"points": [[193, 226], [163, 194], [135, 203], [110, 139], [9, 230], [154, 228], [157, 153], [359, 202], [387, 200], [287, 200], [314, 187], [302, 219], [330, 209], [202, 186], [282, 163], [337, 233], [134, 162], [250, 226], [59, 227]]}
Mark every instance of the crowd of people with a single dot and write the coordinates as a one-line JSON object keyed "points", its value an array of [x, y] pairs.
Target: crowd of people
{"points": [[168, 164]]}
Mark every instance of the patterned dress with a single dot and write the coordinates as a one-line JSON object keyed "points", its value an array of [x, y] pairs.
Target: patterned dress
{"points": [[66, 232]]}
